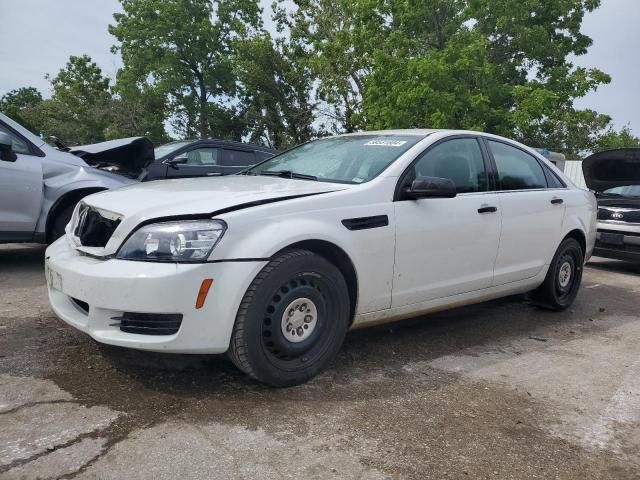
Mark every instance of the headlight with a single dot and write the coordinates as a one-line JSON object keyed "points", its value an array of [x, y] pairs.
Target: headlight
{"points": [[182, 241]]}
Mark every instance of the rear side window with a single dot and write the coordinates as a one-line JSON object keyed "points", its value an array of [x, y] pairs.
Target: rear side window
{"points": [[238, 158], [459, 160], [517, 170]]}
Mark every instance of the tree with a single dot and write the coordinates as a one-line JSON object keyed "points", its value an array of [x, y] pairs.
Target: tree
{"points": [[78, 110], [17, 104], [184, 48], [274, 93], [503, 66], [612, 139]]}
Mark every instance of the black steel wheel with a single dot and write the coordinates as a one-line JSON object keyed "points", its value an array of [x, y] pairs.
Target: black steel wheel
{"points": [[292, 320], [563, 279]]}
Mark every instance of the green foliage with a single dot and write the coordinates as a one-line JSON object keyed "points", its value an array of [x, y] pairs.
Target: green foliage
{"points": [[273, 93], [18, 104], [209, 69], [76, 111], [501, 66], [612, 139], [177, 46]]}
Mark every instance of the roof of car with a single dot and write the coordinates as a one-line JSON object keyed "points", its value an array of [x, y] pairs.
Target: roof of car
{"points": [[420, 132], [229, 143]]}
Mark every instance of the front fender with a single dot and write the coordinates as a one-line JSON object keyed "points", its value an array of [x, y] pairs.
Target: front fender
{"points": [[61, 180], [371, 251]]}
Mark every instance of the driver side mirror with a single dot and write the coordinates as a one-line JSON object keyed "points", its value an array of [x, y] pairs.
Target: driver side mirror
{"points": [[6, 148], [431, 187], [176, 161]]}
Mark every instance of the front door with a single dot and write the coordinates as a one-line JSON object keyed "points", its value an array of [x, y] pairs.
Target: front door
{"points": [[447, 246], [20, 191]]}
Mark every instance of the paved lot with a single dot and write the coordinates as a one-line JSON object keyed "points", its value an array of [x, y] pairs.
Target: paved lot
{"points": [[500, 390]]}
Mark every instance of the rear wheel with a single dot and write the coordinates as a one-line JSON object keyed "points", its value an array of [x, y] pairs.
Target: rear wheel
{"points": [[562, 282], [292, 320]]}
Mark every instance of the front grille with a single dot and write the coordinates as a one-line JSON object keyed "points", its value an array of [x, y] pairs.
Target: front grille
{"points": [[150, 323], [93, 229], [619, 215]]}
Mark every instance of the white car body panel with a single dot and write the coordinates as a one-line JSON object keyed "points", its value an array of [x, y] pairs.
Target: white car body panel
{"points": [[462, 247], [433, 254]]}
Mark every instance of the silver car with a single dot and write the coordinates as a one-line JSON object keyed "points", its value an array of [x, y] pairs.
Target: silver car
{"points": [[40, 185]]}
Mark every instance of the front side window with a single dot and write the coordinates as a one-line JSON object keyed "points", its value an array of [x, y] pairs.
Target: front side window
{"points": [[18, 145], [459, 160], [517, 170], [345, 159], [203, 157]]}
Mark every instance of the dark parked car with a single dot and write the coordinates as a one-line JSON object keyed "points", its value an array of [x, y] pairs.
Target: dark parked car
{"points": [[197, 158]]}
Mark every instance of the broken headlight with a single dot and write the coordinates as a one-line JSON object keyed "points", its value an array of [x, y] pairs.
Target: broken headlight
{"points": [[181, 241]]}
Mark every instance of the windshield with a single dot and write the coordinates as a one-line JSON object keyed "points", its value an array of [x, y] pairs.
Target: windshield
{"points": [[167, 148], [347, 159], [624, 191]]}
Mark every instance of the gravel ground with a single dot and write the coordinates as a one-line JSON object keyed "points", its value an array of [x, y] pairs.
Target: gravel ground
{"points": [[499, 390]]}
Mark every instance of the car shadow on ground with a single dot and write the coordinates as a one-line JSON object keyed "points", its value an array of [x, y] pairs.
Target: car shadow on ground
{"points": [[615, 266], [374, 358], [21, 265]]}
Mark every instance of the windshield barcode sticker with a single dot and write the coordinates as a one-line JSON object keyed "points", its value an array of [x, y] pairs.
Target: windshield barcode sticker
{"points": [[385, 143]]}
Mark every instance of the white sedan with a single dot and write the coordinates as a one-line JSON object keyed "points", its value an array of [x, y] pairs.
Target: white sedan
{"points": [[275, 265]]}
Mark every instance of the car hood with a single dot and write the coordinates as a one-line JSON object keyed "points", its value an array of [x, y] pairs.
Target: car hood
{"points": [[612, 168], [202, 196], [125, 155]]}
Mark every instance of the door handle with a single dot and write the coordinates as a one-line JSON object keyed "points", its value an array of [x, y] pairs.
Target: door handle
{"points": [[557, 201], [487, 209]]}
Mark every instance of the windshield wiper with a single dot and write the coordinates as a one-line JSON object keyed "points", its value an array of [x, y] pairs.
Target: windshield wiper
{"points": [[288, 174]]}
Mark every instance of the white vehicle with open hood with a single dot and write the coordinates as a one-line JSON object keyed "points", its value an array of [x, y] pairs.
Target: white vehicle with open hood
{"points": [[615, 177], [275, 265]]}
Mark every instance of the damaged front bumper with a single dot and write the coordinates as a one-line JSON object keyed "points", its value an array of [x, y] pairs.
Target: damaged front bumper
{"points": [[105, 298]]}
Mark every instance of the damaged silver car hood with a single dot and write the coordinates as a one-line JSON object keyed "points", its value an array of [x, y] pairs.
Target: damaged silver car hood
{"points": [[128, 155]]}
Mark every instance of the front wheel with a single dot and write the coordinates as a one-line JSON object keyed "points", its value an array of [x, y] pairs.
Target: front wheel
{"points": [[292, 320], [562, 282], [60, 222]]}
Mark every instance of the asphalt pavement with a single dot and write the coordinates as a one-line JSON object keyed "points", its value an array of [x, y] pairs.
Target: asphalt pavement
{"points": [[498, 390]]}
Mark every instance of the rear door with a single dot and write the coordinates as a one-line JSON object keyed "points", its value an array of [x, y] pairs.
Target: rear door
{"points": [[532, 209], [235, 160], [200, 161], [20, 190]]}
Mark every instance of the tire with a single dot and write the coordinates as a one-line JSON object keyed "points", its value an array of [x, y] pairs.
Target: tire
{"points": [[292, 320], [60, 222], [561, 285]]}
